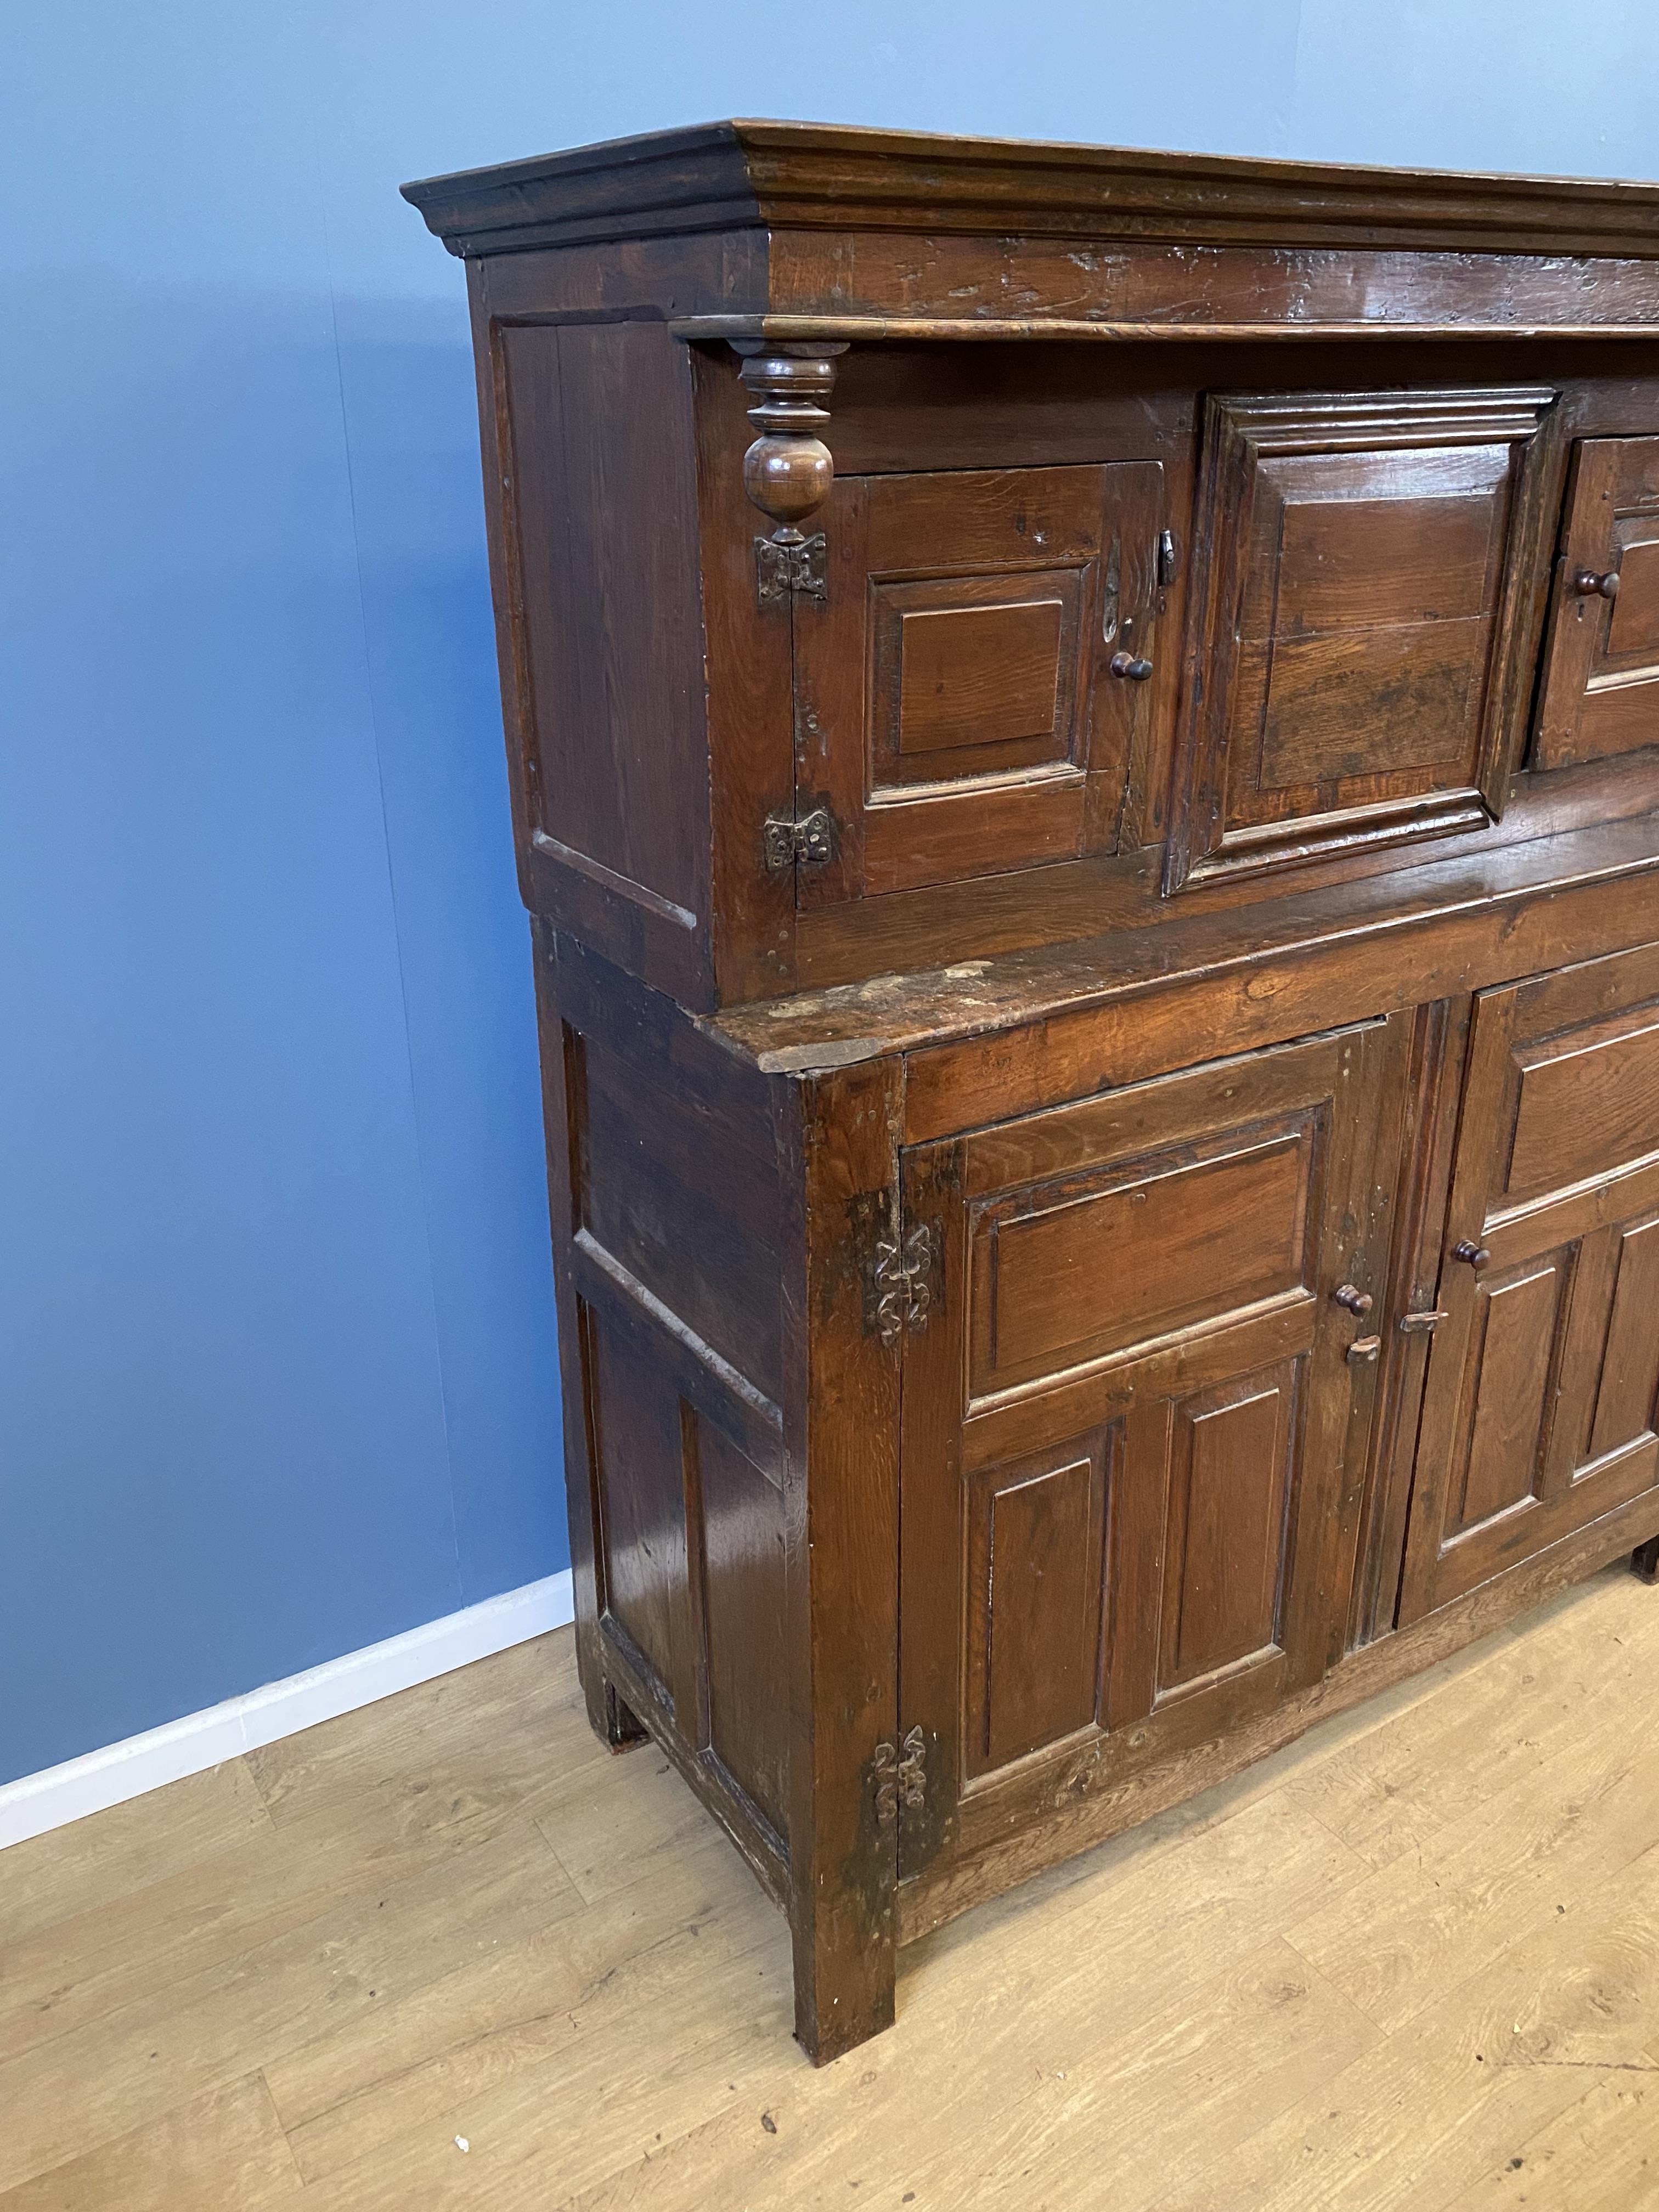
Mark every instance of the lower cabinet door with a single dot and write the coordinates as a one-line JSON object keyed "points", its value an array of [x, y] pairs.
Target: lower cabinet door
{"points": [[1135, 1423], [1538, 1416]]}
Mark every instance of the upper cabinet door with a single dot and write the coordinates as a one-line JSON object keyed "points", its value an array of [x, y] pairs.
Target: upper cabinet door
{"points": [[1540, 1411], [1361, 596], [1601, 691], [957, 711]]}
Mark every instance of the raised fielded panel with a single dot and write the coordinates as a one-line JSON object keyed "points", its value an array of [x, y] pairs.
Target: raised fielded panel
{"points": [[1034, 1531], [1128, 1501], [1225, 1550], [1361, 628], [1092, 1263], [1539, 1415], [1600, 690], [957, 713]]}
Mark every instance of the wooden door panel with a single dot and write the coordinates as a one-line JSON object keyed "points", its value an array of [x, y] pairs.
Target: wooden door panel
{"points": [[955, 709], [1517, 1331], [1588, 1101], [1359, 617], [1600, 689], [1225, 1548], [1629, 1380], [1633, 628], [1087, 1266], [1540, 1401], [974, 676], [1320, 701], [1127, 1423], [1199, 1357], [1037, 1601]]}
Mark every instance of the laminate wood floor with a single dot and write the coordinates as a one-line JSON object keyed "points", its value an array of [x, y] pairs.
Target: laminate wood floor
{"points": [[448, 1952]]}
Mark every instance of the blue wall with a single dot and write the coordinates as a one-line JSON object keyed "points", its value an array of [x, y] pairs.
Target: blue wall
{"points": [[276, 1361]]}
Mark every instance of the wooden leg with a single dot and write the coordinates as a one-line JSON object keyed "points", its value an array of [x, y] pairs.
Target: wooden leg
{"points": [[618, 1727], [841, 1560], [845, 1964], [1644, 1560]]}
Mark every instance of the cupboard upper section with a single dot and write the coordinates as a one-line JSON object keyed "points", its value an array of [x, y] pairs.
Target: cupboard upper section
{"points": [[907, 549]]}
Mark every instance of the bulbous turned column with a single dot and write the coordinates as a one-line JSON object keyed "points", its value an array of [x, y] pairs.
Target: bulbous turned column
{"points": [[788, 471]]}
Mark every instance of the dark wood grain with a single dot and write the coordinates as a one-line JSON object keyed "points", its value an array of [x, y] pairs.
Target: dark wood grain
{"points": [[840, 1134], [1087, 1803], [1034, 1618], [1101, 1126], [1516, 1444], [720, 175], [955, 709], [1409, 1316], [1600, 687], [1206, 1408], [1361, 615]]}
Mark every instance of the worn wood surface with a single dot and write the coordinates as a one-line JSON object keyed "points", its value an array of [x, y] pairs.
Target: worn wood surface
{"points": [[1542, 1380], [1413, 1960], [714, 175], [1170, 1407], [1362, 621], [1602, 657], [1045, 970]]}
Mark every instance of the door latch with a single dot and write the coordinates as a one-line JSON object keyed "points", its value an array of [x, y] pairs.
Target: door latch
{"points": [[1422, 1324]]}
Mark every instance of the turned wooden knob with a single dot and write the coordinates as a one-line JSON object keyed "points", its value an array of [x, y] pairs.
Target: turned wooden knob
{"points": [[1356, 1302], [1473, 1255], [1590, 584], [1125, 664]]}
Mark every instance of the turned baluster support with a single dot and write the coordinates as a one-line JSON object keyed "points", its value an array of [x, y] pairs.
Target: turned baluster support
{"points": [[788, 469]]}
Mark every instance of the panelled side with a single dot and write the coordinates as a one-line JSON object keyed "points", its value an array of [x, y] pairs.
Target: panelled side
{"points": [[668, 1245], [590, 479]]}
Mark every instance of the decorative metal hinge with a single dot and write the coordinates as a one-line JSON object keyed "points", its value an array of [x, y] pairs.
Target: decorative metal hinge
{"points": [[804, 840], [904, 1294], [901, 1776], [783, 568]]}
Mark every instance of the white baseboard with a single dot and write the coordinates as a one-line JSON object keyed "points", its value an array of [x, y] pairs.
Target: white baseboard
{"points": [[37, 1803]]}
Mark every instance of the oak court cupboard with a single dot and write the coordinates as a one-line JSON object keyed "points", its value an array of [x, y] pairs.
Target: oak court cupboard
{"points": [[1084, 747]]}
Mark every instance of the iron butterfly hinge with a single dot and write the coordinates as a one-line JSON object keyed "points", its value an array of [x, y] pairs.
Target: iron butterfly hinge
{"points": [[805, 841], [902, 1273], [900, 1775], [784, 570]]}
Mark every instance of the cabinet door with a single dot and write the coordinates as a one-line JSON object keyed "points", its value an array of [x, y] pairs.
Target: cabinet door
{"points": [[956, 712], [1539, 1411], [1363, 572], [1134, 1427], [1601, 691]]}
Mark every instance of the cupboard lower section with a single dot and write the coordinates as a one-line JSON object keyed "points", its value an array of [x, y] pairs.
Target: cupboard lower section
{"points": [[942, 1508], [1084, 1807]]}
